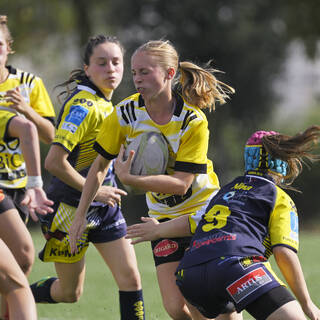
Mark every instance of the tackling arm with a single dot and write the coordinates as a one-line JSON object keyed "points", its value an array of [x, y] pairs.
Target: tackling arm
{"points": [[151, 229]]}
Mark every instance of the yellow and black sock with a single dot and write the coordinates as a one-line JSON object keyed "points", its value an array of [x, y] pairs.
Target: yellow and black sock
{"points": [[131, 305]]}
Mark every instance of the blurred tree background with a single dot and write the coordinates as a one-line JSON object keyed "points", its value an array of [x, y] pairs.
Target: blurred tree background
{"points": [[250, 41]]}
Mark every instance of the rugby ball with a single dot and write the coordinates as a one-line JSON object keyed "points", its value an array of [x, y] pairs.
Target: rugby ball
{"points": [[151, 155]]}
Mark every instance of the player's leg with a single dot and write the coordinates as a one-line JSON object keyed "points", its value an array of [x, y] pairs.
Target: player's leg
{"points": [[230, 316], [276, 304], [68, 287], [120, 257], [15, 287], [17, 237], [290, 311], [172, 299]]}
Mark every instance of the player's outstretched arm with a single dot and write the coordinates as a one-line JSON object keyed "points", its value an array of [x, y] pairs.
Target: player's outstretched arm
{"points": [[290, 267], [37, 202], [151, 229], [95, 177]]}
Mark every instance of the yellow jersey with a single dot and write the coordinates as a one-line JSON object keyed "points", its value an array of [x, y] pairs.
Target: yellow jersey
{"points": [[187, 135], [12, 167]]}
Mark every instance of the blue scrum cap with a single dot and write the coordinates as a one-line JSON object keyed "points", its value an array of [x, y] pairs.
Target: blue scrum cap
{"points": [[256, 158]]}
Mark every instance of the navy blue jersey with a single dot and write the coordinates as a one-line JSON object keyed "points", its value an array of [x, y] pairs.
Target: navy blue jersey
{"points": [[248, 217]]}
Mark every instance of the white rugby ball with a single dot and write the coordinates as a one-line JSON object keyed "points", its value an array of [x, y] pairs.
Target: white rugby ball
{"points": [[151, 155]]}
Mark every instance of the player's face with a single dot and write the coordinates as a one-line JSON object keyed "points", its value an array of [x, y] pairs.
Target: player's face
{"points": [[150, 79], [105, 69], [3, 49]]}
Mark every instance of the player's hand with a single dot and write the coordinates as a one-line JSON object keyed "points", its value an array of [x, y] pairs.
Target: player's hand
{"points": [[37, 202], [143, 231], [121, 166], [17, 101], [76, 230], [110, 195]]}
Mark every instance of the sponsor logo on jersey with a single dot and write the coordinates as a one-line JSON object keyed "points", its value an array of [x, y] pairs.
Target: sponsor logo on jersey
{"points": [[83, 101], [76, 114], [69, 127], [242, 186], [211, 240], [247, 284], [294, 225], [165, 247], [229, 195]]}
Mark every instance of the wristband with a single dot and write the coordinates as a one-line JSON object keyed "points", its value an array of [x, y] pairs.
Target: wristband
{"points": [[34, 182]]}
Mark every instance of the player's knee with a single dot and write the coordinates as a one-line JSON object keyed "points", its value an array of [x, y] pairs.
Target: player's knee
{"points": [[176, 311], [12, 284], [129, 280], [129, 284], [72, 296], [25, 259]]}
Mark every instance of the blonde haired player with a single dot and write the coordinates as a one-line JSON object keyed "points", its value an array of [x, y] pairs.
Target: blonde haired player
{"points": [[177, 114]]}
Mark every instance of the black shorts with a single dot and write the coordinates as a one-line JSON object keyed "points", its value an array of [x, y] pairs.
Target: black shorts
{"points": [[11, 199], [169, 250], [272, 300]]}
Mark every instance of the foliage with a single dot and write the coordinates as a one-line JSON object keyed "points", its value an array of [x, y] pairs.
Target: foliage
{"points": [[245, 39]]}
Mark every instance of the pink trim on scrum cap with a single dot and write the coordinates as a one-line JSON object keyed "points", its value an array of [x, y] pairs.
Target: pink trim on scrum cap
{"points": [[256, 137]]}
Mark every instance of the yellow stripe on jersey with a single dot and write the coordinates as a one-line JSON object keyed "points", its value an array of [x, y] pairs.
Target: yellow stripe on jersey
{"points": [[283, 222], [187, 134], [12, 166], [86, 155]]}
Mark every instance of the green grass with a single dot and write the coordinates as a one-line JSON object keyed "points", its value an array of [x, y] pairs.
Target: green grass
{"points": [[100, 297]]}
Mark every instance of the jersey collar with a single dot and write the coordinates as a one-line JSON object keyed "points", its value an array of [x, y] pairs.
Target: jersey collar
{"points": [[85, 84], [179, 104]]}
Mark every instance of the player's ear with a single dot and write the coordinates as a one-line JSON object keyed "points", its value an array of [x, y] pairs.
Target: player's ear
{"points": [[85, 69], [171, 73]]}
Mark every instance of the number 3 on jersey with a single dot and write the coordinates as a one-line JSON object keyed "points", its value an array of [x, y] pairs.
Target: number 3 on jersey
{"points": [[216, 218]]}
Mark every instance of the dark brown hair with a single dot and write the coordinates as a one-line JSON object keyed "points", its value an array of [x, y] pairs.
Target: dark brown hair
{"points": [[295, 150], [78, 74]]}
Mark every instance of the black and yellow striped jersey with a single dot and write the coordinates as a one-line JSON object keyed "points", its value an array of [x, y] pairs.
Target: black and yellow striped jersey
{"points": [[12, 168], [32, 89], [187, 135], [78, 124]]}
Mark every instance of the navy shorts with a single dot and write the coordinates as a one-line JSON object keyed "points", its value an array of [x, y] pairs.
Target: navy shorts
{"points": [[105, 224], [11, 199], [215, 285]]}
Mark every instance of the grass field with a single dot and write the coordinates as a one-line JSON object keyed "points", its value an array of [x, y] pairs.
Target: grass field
{"points": [[100, 298]]}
